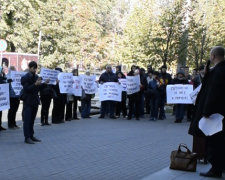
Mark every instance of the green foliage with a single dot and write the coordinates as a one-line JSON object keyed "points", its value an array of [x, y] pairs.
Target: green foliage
{"points": [[96, 32]]}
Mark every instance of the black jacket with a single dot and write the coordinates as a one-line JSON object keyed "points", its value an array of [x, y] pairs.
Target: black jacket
{"points": [[165, 79], [211, 98], [30, 90], [108, 77]]}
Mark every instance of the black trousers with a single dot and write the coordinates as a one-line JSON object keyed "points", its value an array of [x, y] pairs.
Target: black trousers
{"points": [[14, 105], [121, 107], [134, 105], [0, 118], [58, 109], [45, 102], [29, 115], [216, 151], [71, 109], [107, 107]]}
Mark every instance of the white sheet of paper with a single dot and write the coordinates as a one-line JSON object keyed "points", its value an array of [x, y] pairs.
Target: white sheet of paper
{"points": [[211, 125]]}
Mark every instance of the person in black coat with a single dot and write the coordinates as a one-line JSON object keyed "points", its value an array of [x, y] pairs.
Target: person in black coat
{"points": [[121, 106], [59, 103], [143, 88], [154, 92], [2, 81], [180, 108], [165, 79], [211, 100], [32, 84], [134, 99], [108, 76], [14, 101]]}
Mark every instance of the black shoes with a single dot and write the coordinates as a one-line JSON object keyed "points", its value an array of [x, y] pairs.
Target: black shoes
{"points": [[47, 124], [16, 127], [35, 139], [177, 121], [29, 141], [2, 128], [128, 118], [212, 174], [101, 117], [113, 117]]}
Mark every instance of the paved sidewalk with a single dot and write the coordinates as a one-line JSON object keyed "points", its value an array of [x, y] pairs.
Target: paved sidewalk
{"points": [[168, 174], [98, 149]]}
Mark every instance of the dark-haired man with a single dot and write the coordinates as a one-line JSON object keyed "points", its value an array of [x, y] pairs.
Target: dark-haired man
{"points": [[31, 86]]}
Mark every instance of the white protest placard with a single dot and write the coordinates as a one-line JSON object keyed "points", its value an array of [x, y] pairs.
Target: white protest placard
{"points": [[88, 84], [76, 90], [194, 94], [16, 81], [50, 74], [179, 94], [65, 82], [123, 83], [4, 97], [133, 84], [110, 91]]}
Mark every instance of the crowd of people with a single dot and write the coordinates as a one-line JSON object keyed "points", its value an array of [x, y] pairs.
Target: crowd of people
{"points": [[150, 99]]}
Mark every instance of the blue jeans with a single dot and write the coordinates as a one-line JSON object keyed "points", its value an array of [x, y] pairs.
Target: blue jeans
{"points": [[180, 109], [85, 108]]}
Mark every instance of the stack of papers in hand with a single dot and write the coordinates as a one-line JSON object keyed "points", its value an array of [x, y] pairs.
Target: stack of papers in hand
{"points": [[211, 125]]}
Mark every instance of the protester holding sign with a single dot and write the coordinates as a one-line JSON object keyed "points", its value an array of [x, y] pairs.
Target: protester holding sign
{"points": [[86, 101], [121, 106], [14, 97], [133, 93], [89, 84], [59, 103], [180, 108], [108, 106], [2, 81], [71, 106]]}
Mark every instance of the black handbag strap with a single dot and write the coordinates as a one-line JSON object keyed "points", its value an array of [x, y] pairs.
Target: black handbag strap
{"points": [[185, 147]]}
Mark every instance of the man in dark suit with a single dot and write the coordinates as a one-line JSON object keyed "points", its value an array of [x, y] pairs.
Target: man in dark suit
{"points": [[211, 100], [31, 86]]}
